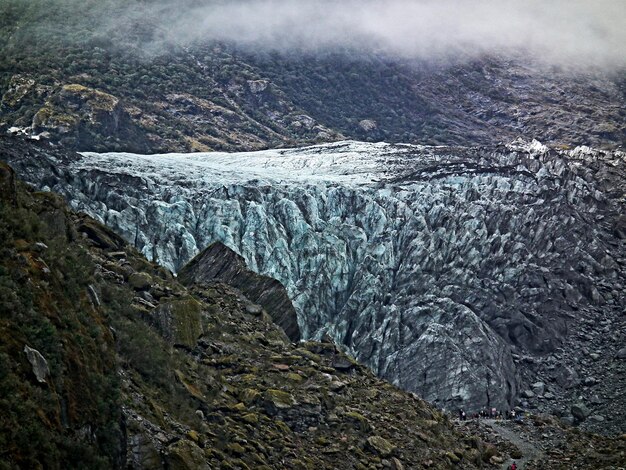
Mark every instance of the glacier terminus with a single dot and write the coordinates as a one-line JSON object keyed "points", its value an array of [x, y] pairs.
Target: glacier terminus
{"points": [[456, 273]]}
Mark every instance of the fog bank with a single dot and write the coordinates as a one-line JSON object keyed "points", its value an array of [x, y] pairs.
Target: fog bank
{"points": [[556, 31]]}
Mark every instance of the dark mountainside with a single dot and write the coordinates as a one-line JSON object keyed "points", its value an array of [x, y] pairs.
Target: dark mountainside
{"points": [[125, 87]]}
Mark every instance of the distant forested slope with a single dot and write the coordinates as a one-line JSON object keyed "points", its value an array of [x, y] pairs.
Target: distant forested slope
{"points": [[111, 75]]}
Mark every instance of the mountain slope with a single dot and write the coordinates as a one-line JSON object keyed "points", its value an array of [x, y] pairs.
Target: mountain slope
{"points": [[107, 362]]}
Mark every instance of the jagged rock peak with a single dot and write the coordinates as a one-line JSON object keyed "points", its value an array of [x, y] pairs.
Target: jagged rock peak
{"points": [[219, 263]]}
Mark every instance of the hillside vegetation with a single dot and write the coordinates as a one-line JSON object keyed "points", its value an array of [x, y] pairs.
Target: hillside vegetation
{"points": [[110, 76]]}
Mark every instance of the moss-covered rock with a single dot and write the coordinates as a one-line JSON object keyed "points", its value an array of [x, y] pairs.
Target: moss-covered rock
{"points": [[140, 281], [381, 446], [185, 455], [249, 396], [359, 420], [180, 321], [276, 400]]}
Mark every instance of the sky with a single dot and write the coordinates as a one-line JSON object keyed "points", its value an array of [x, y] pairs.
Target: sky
{"points": [[586, 32]]}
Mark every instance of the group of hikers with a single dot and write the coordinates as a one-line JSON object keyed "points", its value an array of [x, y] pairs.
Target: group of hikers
{"points": [[493, 413]]}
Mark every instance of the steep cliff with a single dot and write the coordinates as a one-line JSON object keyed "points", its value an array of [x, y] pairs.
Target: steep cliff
{"points": [[462, 274]]}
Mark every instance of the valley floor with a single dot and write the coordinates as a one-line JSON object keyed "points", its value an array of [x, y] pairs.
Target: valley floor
{"points": [[540, 442]]}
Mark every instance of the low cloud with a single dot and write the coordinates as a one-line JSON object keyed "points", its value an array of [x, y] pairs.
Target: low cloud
{"points": [[579, 33], [584, 32]]}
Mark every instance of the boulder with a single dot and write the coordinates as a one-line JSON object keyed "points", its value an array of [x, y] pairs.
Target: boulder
{"points": [[40, 247], [185, 455], [140, 281], [220, 263], [380, 446], [566, 377], [580, 411], [179, 321], [596, 400], [249, 396], [396, 464], [590, 381], [276, 400], [538, 388], [343, 363], [101, 236], [254, 309]]}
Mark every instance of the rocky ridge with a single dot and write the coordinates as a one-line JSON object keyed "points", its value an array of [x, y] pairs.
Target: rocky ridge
{"points": [[491, 262], [219, 263]]}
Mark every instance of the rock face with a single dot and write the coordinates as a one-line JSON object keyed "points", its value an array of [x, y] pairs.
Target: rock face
{"points": [[38, 362], [220, 263], [78, 116], [450, 271], [8, 192], [179, 321]]}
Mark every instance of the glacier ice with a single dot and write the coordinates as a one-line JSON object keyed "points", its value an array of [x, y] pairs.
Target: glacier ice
{"points": [[432, 265]]}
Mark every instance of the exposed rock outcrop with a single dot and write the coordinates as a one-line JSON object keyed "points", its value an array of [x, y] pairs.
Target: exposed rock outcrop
{"points": [[82, 117], [219, 263], [38, 362]]}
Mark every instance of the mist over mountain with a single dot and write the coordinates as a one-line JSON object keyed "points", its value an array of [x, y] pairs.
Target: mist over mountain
{"points": [[573, 33], [207, 75]]}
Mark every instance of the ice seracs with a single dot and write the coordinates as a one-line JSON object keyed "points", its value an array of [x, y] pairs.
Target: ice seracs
{"points": [[430, 264]]}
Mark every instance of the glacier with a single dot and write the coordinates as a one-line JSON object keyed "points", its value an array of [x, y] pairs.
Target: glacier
{"points": [[441, 268]]}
